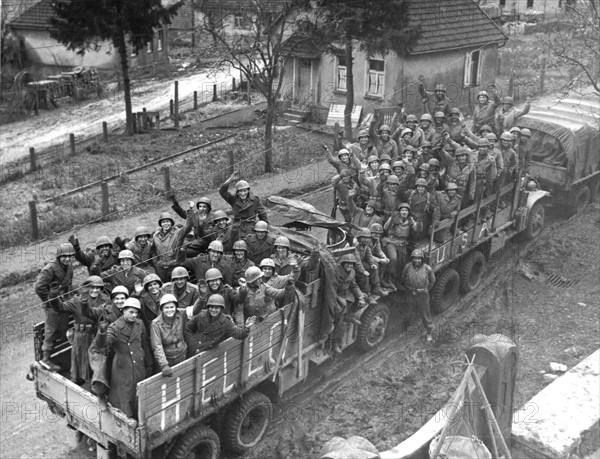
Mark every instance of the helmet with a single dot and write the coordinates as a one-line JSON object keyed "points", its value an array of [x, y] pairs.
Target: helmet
{"points": [[426, 143], [94, 281], [363, 233], [525, 132], [132, 303], [454, 111], [103, 240], [384, 167], [515, 129], [240, 245], [123, 254], [348, 258], [282, 241], [426, 117], [404, 205], [151, 278], [393, 179], [219, 215], [462, 151], [451, 186], [439, 115], [213, 274], [385, 157], [165, 216], [484, 142], [167, 298], [433, 162], [142, 231], [217, 246], [242, 185], [531, 185], [180, 273], [261, 226], [506, 136], [411, 118], [253, 273], [409, 148], [417, 253], [371, 202], [420, 182], [346, 172], [508, 100], [267, 262], [406, 131], [119, 289], [376, 228], [372, 158], [216, 300], [440, 87], [64, 249], [343, 151], [396, 164], [485, 127], [424, 167], [363, 133], [491, 136], [204, 200], [483, 93], [384, 127]]}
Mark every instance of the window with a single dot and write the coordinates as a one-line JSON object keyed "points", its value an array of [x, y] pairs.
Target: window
{"points": [[161, 39], [238, 21], [472, 75], [529, 3], [150, 46], [340, 74], [502, 3], [134, 51], [375, 76]]}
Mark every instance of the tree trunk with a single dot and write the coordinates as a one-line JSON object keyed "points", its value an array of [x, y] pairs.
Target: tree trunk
{"points": [[349, 89], [120, 44], [271, 107]]}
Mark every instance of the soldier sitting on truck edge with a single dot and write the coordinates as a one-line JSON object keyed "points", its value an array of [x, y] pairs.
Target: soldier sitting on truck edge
{"points": [[367, 278], [257, 297], [418, 278], [167, 335], [397, 232], [201, 222]]}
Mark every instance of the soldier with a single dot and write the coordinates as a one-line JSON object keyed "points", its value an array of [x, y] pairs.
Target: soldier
{"points": [[165, 245], [398, 230], [185, 292], [360, 218], [260, 244], [150, 299], [449, 203], [247, 208], [439, 128], [525, 149], [425, 126], [495, 152], [101, 260], [220, 230], [270, 277], [259, 298], [507, 115], [485, 172], [391, 194], [167, 335], [435, 179], [118, 296], [484, 111], [509, 158], [212, 326], [199, 265], [426, 151], [284, 260], [384, 142], [125, 274], [461, 171], [361, 149], [417, 137], [201, 222], [345, 160], [346, 189], [367, 278], [409, 157], [240, 262], [141, 248], [419, 279], [440, 102], [372, 167], [376, 249], [56, 276], [216, 285], [373, 184], [405, 139], [455, 125], [424, 209]]}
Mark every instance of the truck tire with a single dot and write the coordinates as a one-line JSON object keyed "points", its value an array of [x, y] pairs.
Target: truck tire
{"points": [[535, 221], [373, 325], [471, 271], [200, 442], [579, 199], [246, 422], [445, 290]]}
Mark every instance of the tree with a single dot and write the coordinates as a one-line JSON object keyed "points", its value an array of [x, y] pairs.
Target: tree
{"points": [[373, 26], [253, 38], [83, 25]]}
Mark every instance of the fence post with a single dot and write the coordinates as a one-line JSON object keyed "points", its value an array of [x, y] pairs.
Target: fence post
{"points": [[511, 87], [195, 100], [105, 204], [171, 108], [542, 75], [105, 130], [72, 143], [32, 163], [233, 84], [144, 119], [249, 93], [34, 221], [230, 161], [214, 92], [167, 178], [176, 104]]}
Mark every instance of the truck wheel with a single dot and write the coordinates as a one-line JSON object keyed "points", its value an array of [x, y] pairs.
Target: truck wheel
{"points": [[535, 221], [445, 290], [200, 442], [580, 198], [373, 325], [471, 271], [246, 423]]}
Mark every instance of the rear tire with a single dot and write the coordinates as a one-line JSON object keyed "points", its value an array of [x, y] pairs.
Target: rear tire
{"points": [[471, 271], [535, 221], [247, 421], [445, 290], [373, 325], [200, 442]]}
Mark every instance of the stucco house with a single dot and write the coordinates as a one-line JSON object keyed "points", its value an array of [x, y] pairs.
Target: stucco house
{"points": [[458, 46]]}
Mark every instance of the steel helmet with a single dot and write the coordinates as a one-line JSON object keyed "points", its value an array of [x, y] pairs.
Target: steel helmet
{"points": [[204, 200], [142, 231], [165, 216], [506, 136], [267, 262], [253, 273], [371, 202], [346, 172], [417, 253], [406, 131], [384, 127], [119, 289], [525, 132], [404, 205], [261, 226], [65, 249], [531, 185], [433, 162], [180, 273], [216, 300], [240, 245], [364, 232], [376, 228], [372, 158], [491, 136], [384, 167], [439, 115], [124, 254], [484, 142], [454, 111], [426, 143], [151, 278], [241, 185], [485, 127], [94, 281], [483, 93], [462, 151], [282, 241], [421, 182], [409, 148], [426, 117], [219, 215], [440, 87], [363, 133], [132, 303], [515, 129], [411, 118], [451, 186], [343, 151], [213, 274], [398, 164], [216, 246], [393, 179], [424, 167], [507, 100], [167, 298], [103, 240], [348, 258]]}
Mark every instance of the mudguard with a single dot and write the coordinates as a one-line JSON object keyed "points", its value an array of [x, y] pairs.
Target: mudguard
{"points": [[535, 196]]}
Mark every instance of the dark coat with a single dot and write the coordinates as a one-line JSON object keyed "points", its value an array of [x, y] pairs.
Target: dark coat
{"points": [[88, 259], [185, 297], [54, 276], [259, 250], [118, 276], [231, 296], [245, 213], [203, 332]]}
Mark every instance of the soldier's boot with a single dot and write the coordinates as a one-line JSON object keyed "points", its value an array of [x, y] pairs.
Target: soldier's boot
{"points": [[49, 364], [337, 349], [377, 291]]}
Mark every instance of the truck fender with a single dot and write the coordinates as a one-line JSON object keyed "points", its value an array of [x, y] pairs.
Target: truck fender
{"points": [[535, 196]]}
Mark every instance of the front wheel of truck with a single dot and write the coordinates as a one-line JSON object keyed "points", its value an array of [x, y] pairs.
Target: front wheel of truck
{"points": [[246, 422], [200, 442]]}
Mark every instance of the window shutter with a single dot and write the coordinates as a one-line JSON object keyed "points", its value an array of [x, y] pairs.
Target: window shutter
{"points": [[479, 67], [467, 70]]}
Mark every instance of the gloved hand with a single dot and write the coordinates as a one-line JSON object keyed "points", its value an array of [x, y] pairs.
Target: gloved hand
{"points": [[53, 294], [290, 283], [103, 325], [362, 303], [120, 242], [189, 312], [166, 371], [170, 195], [202, 287], [74, 241]]}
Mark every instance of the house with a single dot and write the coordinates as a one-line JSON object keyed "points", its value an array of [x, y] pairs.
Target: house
{"points": [[458, 46], [524, 10], [32, 29]]}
